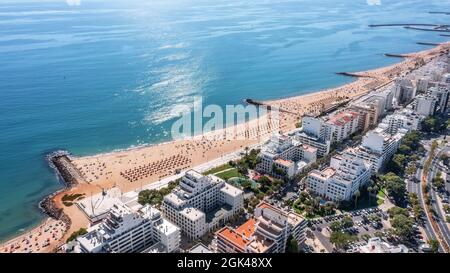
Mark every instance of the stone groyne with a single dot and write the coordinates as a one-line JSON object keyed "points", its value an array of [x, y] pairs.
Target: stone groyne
{"points": [[60, 162]]}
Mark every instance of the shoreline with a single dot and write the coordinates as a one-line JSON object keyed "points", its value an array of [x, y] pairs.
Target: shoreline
{"points": [[112, 161]]}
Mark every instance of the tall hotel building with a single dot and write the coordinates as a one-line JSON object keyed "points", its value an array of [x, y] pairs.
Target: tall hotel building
{"points": [[201, 203], [124, 230]]}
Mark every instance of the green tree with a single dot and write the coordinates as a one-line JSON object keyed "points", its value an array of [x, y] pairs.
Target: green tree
{"points": [[430, 124], [75, 234], [434, 244], [347, 222], [395, 186], [357, 194], [404, 149], [335, 226], [438, 182], [152, 197], [397, 211], [246, 184], [370, 190], [292, 245], [403, 226], [397, 164], [341, 240]]}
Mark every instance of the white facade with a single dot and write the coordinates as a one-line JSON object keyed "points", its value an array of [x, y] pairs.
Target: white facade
{"points": [[340, 126], [405, 91], [442, 93], [286, 154], [341, 180], [201, 203], [127, 231], [425, 105]]}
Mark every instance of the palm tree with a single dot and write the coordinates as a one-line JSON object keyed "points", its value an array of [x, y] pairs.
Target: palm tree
{"points": [[375, 190], [357, 194]]}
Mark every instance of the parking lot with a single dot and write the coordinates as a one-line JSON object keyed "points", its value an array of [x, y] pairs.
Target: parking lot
{"points": [[365, 222]]}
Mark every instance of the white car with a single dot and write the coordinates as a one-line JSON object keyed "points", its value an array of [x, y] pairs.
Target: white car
{"points": [[425, 247]]}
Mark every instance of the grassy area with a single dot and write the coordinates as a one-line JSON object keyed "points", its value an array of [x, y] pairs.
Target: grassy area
{"points": [[229, 174], [218, 169], [381, 194], [68, 199]]}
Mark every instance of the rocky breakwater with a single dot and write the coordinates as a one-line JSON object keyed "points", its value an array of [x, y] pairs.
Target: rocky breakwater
{"points": [[69, 176]]}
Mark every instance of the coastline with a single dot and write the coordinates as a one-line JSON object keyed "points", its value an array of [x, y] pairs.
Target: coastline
{"points": [[200, 150]]}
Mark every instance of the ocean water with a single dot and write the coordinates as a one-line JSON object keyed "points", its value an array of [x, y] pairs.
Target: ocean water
{"points": [[94, 76]]}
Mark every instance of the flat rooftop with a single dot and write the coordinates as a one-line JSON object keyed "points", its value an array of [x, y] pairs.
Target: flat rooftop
{"points": [[260, 244], [192, 214], [231, 190], [284, 162], [233, 237], [199, 248], [325, 174], [167, 227], [248, 228]]}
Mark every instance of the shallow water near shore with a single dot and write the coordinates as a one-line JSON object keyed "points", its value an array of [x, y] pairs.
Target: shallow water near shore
{"points": [[107, 75]]}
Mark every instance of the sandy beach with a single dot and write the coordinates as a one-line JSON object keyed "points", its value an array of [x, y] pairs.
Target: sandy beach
{"points": [[44, 238], [134, 168]]}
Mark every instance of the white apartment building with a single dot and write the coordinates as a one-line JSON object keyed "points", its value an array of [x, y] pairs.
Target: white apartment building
{"points": [[405, 90], [201, 203], [340, 126], [425, 105], [341, 180], [333, 128], [276, 225], [405, 119], [422, 84], [382, 143], [127, 231], [286, 154], [442, 93]]}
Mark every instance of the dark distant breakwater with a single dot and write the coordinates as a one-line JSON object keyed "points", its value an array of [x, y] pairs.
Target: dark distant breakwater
{"points": [[404, 25], [353, 75], [268, 107], [427, 29], [428, 44], [396, 55], [439, 12]]}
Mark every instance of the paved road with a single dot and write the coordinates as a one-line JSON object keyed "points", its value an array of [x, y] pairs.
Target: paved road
{"points": [[430, 232], [414, 187], [440, 219]]}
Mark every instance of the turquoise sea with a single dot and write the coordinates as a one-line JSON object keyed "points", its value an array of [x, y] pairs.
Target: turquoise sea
{"points": [[93, 76]]}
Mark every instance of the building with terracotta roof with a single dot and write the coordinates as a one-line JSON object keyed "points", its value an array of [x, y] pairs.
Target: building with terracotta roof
{"points": [[242, 240], [340, 126]]}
